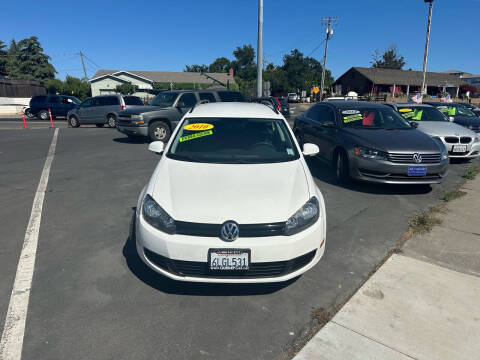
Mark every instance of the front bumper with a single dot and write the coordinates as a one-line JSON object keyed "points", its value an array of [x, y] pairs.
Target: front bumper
{"points": [[161, 251], [386, 172], [133, 130], [473, 150]]}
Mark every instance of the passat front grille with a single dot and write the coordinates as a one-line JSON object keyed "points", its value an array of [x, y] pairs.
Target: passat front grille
{"points": [[408, 158], [245, 230], [256, 270]]}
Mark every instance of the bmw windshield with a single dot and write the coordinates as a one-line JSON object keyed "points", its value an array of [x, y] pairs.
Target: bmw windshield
{"points": [[421, 113], [373, 118], [233, 141], [164, 99], [456, 109]]}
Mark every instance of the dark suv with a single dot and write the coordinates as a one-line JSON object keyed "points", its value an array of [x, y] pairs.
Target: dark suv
{"points": [[59, 105], [158, 120]]}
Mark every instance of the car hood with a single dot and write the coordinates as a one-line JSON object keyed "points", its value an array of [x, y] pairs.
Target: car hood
{"points": [[409, 140], [443, 128], [139, 109], [215, 193], [467, 120]]}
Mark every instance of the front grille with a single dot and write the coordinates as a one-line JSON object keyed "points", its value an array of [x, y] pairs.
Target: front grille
{"points": [[408, 158], [121, 121], [256, 270], [451, 139], [245, 230], [465, 139]]}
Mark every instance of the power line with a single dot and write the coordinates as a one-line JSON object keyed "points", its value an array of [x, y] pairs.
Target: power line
{"points": [[316, 48], [91, 61]]}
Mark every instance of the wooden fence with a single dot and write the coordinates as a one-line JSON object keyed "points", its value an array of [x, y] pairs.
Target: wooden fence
{"points": [[19, 88]]}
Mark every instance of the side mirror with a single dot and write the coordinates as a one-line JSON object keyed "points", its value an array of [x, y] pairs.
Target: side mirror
{"points": [[310, 149], [181, 105], [451, 118], [414, 124], [157, 147]]}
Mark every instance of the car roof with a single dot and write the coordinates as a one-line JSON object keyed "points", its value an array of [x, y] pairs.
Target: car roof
{"points": [[409, 105], [234, 110], [348, 104]]}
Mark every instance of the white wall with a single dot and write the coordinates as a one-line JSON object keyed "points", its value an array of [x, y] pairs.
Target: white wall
{"points": [[14, 101], [106, 83]]}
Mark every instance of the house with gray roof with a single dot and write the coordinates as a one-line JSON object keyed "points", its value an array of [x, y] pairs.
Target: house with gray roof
{"points": [[106, 81], [365, 81]]}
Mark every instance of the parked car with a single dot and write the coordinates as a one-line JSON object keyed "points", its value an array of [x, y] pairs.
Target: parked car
{"points": [[278, 104], [474, 108], [458, 113], [459, 141], [293, 97], [103, 109], [59, 105], [158, 120], [371, 142], [231, 200]]}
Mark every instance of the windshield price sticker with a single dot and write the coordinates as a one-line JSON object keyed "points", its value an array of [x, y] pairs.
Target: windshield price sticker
{"points": [[405, 110], [408, 115], [350, 118], [198, 127], [196, 135], [350, 112]]}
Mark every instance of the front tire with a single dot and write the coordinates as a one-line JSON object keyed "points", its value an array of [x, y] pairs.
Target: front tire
{"points": [[159, 131], [28, 113], [341, 168], [111, 121], [73, 121]]}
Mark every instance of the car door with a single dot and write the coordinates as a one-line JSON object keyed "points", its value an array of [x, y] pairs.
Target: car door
{"points": [[66, 105], [97, 110], [55, 105], [327, 131], [309, 124], [84, 111]]}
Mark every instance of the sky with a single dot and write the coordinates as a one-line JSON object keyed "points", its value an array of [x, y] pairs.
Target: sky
{"points": [[164, 35]]}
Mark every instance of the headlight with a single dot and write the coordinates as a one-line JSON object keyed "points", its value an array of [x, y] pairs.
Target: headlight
{"points": [[156, 216], [370, 153], [303, 218], [476, 139]]}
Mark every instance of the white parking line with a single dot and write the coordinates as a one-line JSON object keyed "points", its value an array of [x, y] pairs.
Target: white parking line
{"points": [[14, 328]]}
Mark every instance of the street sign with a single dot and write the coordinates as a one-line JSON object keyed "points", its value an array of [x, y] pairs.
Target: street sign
{"points": [[316, 90]]}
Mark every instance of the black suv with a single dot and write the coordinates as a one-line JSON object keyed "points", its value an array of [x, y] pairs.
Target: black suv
{"points": [[59, 105], [158, 120]]}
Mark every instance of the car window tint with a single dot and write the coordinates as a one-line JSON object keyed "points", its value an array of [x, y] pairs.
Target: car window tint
{"points": [[132, 100], [230, 96], [189, 99], [207, 96], [325, 115], [314, 113], [87, 103], [97, 101], [53, 99], [39, 99]]}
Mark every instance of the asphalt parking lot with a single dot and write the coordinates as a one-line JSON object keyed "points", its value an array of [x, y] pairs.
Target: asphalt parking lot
{"points": [[91, 296]]}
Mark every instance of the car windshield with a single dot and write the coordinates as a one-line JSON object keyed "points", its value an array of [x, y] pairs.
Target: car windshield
{"points": [[164, 99], [455, 109], [372, 118], [421, 113], [233, 141]]}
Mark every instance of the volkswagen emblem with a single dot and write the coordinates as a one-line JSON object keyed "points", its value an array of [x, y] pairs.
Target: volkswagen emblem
{"points": [[417, 158], [229, 231]]}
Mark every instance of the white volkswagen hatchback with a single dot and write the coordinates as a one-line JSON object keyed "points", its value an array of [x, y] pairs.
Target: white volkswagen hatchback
{"points": [[231, 199]]}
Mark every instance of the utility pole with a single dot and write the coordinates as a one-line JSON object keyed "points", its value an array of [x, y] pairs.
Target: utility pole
{"points": [[429, 23], [83, 65], [326, 21], [259, 48]]}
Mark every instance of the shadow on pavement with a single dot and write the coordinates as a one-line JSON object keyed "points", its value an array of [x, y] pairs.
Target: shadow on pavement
{"points": [[132, 140], [322, 171], [166, 285]]}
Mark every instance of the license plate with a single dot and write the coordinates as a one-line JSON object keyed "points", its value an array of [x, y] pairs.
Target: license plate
{"points": [[459, 148], [229, 259], [417, 170]]}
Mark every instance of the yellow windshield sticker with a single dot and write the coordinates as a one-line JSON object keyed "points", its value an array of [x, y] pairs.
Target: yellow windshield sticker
{"points": [[196, 135], [405, 110], [350, 118], [198, 127], [408, 115]]}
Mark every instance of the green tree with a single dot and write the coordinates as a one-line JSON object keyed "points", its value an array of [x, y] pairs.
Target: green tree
{"points": [[126, 89], [3, 56], [196, 68], [219, 65], [76, 87], [54, 86], [390, 59], [244, 65], [27, 61]]}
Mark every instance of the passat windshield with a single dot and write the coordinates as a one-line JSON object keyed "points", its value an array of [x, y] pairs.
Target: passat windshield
{"points": [[233, 141], [373, 118], [164, 99], [421, 114]]}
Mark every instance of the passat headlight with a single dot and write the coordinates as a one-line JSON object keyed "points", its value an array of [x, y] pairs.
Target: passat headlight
{"points": [[303, 218], [442, 147], [156, 216], [370, 153]]}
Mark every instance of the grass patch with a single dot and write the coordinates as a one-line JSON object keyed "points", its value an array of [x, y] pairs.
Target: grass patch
{"points": [[471, 172], [423, 221], [452, 194]]}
